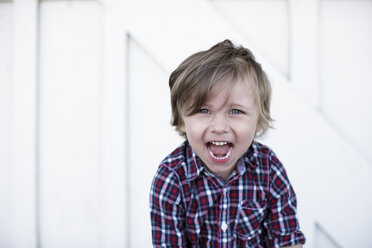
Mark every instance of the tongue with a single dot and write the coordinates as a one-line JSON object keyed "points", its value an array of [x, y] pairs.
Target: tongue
{"points": [[219, 151]]}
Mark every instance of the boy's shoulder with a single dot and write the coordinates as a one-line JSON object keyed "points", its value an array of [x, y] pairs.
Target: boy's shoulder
{"points": [[261, 149], [263, 153], [176, 158], [176, 162], [264, 159]]}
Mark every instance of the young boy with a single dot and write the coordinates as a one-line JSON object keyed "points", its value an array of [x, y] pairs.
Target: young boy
{"points": [[221, 188]]}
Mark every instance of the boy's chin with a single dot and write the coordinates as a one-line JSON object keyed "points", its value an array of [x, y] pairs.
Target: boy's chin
{"points": [[222, 171], [220, 168]]}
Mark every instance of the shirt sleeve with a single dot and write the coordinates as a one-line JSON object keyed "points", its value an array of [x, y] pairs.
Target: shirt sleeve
{"points": [[167, 213], [281, 223]]}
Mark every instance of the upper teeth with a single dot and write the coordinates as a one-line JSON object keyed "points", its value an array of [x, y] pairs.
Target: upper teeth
{"points": [[219, 143]]}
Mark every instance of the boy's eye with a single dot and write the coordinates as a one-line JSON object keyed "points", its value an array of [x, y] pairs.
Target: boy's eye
{"points": [[204, 111], [236, 112]]}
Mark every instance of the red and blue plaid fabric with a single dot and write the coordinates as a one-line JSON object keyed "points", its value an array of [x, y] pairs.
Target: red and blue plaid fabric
{"points": [[255, 207]]}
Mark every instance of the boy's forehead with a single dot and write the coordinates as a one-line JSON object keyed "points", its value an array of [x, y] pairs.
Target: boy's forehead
{"points": [[226, 87]]}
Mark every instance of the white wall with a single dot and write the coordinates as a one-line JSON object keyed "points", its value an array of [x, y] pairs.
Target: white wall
{"points": [[264, 24], [5, 125], [71, 98], [23, 126], [82, 123], [85, 91], [345, 65]]}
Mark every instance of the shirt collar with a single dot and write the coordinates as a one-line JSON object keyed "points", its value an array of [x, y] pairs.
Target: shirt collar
{"points": [[251, 156], [193, 162], [195, 165], [249, 159]]}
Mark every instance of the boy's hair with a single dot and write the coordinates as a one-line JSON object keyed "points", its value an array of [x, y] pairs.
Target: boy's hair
{"points": [[196, 77]]}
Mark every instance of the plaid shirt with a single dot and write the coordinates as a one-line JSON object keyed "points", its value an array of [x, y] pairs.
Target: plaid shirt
{"points": [[255, 207]]}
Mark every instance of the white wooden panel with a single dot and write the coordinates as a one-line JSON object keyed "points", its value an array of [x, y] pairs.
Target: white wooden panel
{"points": [[23, 124], [346, 75], [304, 49], [322, 239], [179, 28], [5, 125], [71, 97], [151, 136], [114, 137], [263, 23]]}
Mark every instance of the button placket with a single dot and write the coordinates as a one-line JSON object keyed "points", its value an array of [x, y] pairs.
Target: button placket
{"points": [[224, 217], [224, 226]]}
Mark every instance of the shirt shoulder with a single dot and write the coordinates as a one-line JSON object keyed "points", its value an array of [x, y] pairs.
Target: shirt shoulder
{"points": [[268, 160], [264, 152], [175, 162], [264, 155], [279, 182], [169, 180]]}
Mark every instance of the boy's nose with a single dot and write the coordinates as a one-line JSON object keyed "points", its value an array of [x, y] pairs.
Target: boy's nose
{"points": [[219, 124]]}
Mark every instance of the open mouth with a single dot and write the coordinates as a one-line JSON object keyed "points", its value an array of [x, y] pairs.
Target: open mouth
{"points": [[219, 150]]}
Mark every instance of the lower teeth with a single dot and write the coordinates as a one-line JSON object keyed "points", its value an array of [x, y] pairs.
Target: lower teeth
{"points": [[220, 158]]}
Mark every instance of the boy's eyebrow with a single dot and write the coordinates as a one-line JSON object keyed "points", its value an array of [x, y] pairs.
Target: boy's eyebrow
{"points": [[237, 105], [233, 105]]}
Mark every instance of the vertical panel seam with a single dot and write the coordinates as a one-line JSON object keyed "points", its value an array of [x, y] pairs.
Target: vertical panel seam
{"points": [[127, 153], [37, 127], [289, 42]]}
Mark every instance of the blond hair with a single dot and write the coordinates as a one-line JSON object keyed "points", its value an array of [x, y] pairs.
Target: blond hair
{"points": [[196, 77]]}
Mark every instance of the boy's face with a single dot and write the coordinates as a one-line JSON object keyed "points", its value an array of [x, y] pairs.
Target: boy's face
{"points": [[224, 128]]}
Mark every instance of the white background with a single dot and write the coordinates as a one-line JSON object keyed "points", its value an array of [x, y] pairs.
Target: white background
{"points": [[85, 111]]}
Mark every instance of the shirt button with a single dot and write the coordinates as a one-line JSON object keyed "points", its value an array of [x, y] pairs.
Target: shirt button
{"points": [[224, 226]]}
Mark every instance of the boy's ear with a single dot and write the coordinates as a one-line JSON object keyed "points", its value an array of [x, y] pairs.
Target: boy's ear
{"points": [[258, 129], [182, 128]]}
